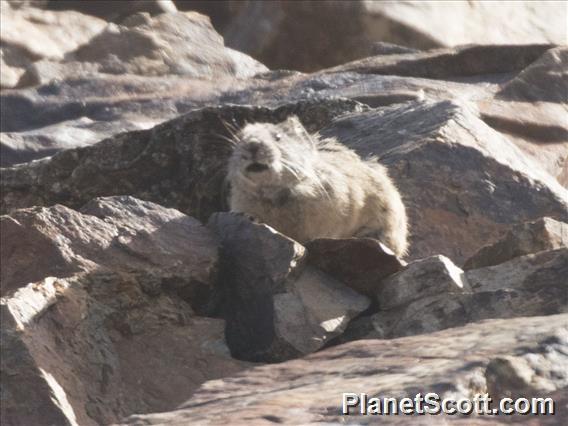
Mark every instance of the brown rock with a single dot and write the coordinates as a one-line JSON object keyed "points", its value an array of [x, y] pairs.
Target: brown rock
{"points": [[120, 234], [526, 238], [531, 110], [360, 263], [95, 347]]}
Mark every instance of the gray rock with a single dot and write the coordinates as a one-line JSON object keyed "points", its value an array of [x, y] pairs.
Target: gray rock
{"points": [[419, 280], [359, 263], [120, 234], [526, 238], [530, 285], [275, 308], [451, 363]]}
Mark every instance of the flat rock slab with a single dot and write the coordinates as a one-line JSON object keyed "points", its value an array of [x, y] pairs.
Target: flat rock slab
{"points": [[275, 307], [451, 363]]}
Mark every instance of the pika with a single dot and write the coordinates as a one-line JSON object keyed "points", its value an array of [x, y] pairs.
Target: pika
{"points": [[307, 187]]}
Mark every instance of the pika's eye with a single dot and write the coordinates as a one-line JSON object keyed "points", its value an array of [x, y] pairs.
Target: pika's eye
{"points": [[278, 136]]}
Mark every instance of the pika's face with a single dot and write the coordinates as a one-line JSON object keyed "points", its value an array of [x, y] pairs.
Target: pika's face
{"points": [[270, 154]]}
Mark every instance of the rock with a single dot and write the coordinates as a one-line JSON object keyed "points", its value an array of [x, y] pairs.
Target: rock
{"points": [[129, 77], [20, 147], [539, 277], [452, 363], [119, 234], [275, 309], [449, 63], [182, 43], [531, 110], [530, 374], [115, 11], [178, 164], [419, 280], [98, 346], [531, 285], [526, 238], [359, 263], [503, 186], [295, 35], [29, 34]]}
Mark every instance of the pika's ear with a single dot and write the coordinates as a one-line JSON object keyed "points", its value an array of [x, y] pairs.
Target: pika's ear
{"points": [[294, 125]]}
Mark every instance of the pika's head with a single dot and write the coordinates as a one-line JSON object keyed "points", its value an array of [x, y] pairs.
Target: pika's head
{"points": [[272, 154]]}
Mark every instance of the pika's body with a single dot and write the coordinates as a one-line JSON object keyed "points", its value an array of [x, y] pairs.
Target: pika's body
{"points": [[307, 187]]}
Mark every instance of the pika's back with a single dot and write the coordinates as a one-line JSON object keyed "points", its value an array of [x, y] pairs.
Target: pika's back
{"points": [[307, 187]]}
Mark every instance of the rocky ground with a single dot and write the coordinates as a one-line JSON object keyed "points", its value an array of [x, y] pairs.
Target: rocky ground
{"points": [[131, 296]]}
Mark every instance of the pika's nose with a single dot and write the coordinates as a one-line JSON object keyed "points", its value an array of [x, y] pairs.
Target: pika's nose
{"points": [[253, 148]]}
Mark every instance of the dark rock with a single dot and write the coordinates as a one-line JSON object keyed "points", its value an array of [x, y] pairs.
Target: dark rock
{"points": [[450, 63], [526, 238], [275, 309], [360, 263], [451, 363]]}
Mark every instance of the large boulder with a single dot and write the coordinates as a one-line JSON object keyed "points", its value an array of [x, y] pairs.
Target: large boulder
{"points": [[120, 234], [295, 35], [275, 308], [463, 183], [456, 363]]}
